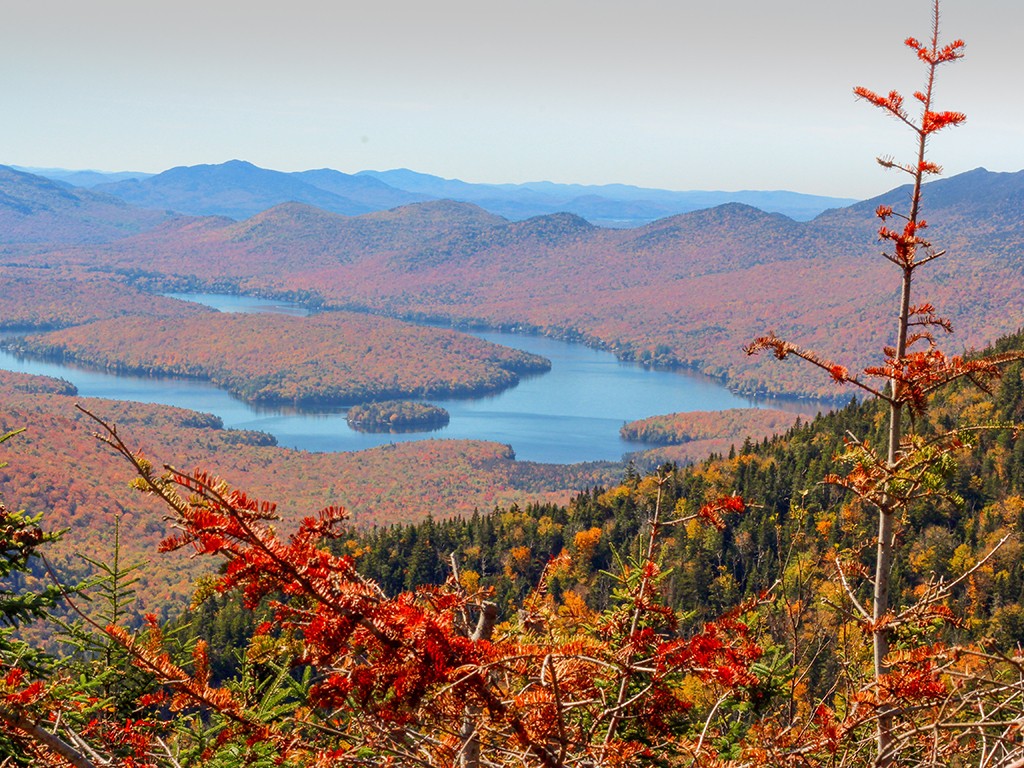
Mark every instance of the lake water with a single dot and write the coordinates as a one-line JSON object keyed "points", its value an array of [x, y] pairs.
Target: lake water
{"points": [[570, 414]]}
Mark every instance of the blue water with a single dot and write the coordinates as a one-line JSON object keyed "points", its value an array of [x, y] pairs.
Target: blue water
{"points": [[570, 414]]}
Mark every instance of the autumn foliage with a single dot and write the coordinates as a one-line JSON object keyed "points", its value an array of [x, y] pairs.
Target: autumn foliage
{"points": [[427, 675], [336, 358], [906, 698], [842, 642]]}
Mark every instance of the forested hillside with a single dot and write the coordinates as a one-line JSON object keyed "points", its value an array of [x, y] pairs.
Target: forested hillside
{"points": [[688, 290], [34, 210], [794, 520], [43, 298], [336, 358], [56, 465]]}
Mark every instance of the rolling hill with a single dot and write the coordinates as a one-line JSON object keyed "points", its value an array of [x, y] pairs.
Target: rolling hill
{"points": [[611, 205], [687, 290], [36, 210]]}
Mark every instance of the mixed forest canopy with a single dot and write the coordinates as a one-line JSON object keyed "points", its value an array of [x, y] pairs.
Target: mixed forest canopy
{"points": [[396, 416], [335, 358], [847, 594]]}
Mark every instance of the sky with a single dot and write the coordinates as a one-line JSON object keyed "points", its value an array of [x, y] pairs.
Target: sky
{"points": [[675, 94]]}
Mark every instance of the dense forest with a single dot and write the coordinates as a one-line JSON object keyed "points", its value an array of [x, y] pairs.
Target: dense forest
{"points": [[795, 516], [57, 298], [396, 416], [675, 428], [336, 358]]}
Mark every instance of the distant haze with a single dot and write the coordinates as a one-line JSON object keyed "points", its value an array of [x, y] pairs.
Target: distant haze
{"points": [[675, 95]]}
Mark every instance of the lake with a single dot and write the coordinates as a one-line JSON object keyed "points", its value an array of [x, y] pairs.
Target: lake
{"points": [[570, 414]]}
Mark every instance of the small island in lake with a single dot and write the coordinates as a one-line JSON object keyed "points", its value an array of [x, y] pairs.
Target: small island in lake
{"points": [[396, 416]]}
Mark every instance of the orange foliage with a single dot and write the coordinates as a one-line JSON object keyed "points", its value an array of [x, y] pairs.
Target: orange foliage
{"points": [[49, 298], [57, 467], [335, 358], [735, 424]]}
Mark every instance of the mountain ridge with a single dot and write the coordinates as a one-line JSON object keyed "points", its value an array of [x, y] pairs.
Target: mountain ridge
{"points": [[34, 209], [688, 290], [245, 189]]}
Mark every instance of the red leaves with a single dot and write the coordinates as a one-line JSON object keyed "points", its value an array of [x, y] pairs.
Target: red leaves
{"points": [[723, 651], [914, 677], [825, 720], [919, 373], [930, 121], [906, 241], [933, 55], [22, 697], [132, 738], [712, 512], [936, 121], [891, 103]]}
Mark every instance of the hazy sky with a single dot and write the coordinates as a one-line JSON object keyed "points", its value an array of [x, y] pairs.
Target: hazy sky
{"points": [[718, 94]]}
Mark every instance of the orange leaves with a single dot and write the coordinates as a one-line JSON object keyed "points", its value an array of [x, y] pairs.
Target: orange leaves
{"points": [[915, 677], [909, 379], [919, 373], [906, 242], [936, 121], [16, 693], [929, 122], [933, 55], [839, 373], [713, 512], [189, 689], [783, 349], [891, 102], [584, 543]]}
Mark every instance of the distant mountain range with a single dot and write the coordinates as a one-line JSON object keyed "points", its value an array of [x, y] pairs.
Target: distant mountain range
{"points": [[238, 190], [34, 209], [689, 289]]}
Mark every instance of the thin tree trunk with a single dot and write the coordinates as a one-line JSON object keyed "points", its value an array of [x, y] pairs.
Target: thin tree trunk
{"points": [[886, 524], [470, 755]]}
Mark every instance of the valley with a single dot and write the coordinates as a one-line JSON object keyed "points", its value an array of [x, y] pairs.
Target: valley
{"points": [[94, 309], [587, 374], [687, 291], [602, 326], [568, 414]]}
